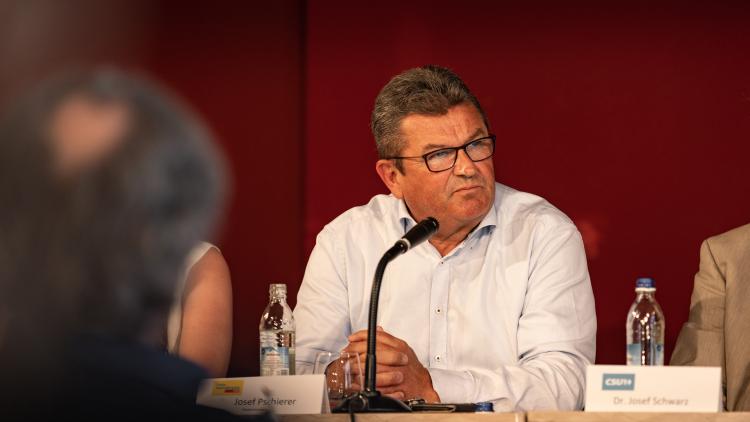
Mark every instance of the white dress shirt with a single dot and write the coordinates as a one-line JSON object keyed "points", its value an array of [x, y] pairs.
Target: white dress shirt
{"points": [[507, 316]]}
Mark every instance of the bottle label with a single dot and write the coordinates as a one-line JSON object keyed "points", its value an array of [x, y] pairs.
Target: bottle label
{"points": [[634, 355], [276, 361]]}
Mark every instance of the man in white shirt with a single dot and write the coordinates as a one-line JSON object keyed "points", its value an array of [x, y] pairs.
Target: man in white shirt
{"points": [[497, 306]]}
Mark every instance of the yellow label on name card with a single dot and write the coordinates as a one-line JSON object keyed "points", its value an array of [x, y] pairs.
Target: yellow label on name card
{"points": [[227, 388]]}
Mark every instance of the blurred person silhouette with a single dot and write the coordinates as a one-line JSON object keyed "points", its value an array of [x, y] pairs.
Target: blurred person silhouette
{"points": [[107, 184], [717, 332]]}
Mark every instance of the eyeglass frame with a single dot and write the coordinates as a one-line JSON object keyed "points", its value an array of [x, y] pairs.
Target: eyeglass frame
{"points": [[455, 153]]}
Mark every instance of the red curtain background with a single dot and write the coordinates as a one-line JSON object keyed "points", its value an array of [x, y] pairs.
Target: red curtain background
{"points": [[632, 118]]}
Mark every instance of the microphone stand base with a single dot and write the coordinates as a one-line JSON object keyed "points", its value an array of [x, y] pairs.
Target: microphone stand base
{"points": [[370, 402]]}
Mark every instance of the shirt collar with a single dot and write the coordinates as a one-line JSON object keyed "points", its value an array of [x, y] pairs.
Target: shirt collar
{"points": [[487, 224], [406, 220]]}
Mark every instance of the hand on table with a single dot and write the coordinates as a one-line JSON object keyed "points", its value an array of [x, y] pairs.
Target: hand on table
{"points": [[399, 373]]}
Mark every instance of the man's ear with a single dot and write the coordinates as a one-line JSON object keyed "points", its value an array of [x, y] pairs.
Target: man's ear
{"points": [[391, 176]]}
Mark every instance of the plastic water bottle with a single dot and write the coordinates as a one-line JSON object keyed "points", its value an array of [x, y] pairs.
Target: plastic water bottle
{"points": [[277, 335], [645, 327]]}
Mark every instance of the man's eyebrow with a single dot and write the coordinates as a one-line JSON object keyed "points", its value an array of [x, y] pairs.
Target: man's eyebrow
{"points": [[433, 147], [480, 132]]}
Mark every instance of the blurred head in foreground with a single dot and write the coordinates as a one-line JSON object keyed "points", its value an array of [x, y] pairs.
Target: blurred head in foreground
{"points": [[106, 183]]}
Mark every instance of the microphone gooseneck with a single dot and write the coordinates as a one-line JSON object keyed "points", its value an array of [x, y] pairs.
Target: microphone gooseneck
{"points": [[370, 399]]}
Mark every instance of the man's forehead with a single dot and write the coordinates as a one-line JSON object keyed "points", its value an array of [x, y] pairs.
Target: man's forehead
{"points": [[461, 123]]}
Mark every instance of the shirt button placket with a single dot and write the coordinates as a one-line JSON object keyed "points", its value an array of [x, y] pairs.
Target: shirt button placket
{"points": [[438, 299]]}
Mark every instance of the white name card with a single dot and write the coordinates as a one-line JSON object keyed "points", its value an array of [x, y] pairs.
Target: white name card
{"points": [[285, 395], [619, 388]]}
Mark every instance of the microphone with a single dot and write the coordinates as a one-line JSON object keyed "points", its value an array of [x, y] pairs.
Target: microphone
{"points": [[418, 234], [370, 399]]}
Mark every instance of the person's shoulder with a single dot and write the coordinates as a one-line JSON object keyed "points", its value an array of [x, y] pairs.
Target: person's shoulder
{"points": [[199, 251], [517, 207], [733, 243], [206, 261], [380, 208], [735, 235]]}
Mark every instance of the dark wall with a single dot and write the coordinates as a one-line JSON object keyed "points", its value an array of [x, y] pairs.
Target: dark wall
{"points": [[632, 119]]}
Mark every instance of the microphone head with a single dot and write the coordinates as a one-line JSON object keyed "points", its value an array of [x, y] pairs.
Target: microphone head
{"points": [[432, 222], [421, 232]]}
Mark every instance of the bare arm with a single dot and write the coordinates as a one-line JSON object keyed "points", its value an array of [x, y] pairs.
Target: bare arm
{"points": [[206, 336]]}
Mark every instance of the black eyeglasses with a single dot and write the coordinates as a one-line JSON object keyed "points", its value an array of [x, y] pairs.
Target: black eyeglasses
{"points": [[445, 158]]}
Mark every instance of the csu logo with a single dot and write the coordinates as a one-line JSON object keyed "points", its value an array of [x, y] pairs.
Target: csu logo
{"points": [[618, 382]]}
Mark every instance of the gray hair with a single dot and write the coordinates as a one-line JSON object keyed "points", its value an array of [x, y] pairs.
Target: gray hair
{"points": [[102, 251], [430, 90]]}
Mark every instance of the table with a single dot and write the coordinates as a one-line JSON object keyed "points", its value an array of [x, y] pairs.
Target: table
{"points": [[635, 417], [526, 417], [416, 417]]}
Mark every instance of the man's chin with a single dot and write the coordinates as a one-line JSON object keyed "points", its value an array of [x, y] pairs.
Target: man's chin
{"points": [[474, 211]]}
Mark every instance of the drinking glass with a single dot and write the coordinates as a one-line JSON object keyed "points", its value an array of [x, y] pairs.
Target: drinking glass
{"points": [[343, 374]]}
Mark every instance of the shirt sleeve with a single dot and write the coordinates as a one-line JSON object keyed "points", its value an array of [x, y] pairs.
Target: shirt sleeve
{"points": [[321, 315], [701, 340], [556, 336], [705, 324]]}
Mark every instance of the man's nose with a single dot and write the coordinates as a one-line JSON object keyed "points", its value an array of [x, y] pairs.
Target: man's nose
{"points": [[464, 165]]}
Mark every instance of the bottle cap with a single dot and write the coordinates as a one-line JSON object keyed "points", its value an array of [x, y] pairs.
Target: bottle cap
{"points": [[645, 282], [485, 406], [277, 290]]}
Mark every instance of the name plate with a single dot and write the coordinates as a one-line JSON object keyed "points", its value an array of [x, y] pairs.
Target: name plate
{"points": [[284, 395], [619, 388]]}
